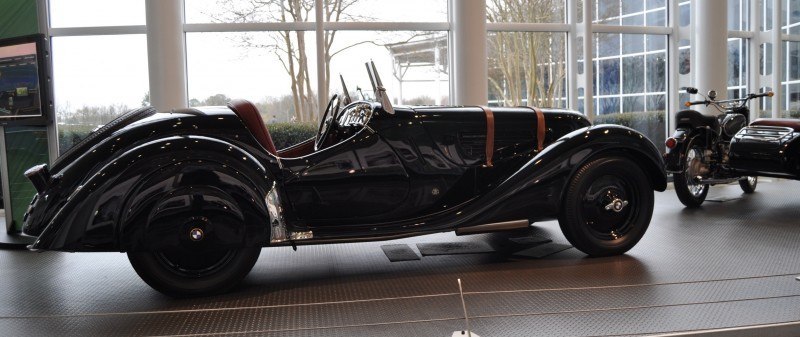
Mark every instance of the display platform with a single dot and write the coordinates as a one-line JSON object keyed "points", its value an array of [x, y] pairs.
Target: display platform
{"points": [[729, 268]]}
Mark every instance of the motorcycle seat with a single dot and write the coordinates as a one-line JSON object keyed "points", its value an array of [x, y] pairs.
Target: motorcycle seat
{"points": [[783, 122]]}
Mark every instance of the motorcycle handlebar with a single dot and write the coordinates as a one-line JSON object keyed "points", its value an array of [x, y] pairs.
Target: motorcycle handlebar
{"points": [[690, 103], [765, 94]]}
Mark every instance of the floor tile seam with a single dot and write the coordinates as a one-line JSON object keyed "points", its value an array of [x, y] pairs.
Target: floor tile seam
{"points": [[548, 313], [345, 326], [658, 284], [259, 307], [692, 332]]}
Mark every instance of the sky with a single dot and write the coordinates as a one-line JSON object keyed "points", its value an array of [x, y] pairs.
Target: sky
{"points": [[112, 69]]}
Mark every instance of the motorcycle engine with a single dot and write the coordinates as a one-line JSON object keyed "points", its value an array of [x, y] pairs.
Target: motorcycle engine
{"points": [[731, 124]]}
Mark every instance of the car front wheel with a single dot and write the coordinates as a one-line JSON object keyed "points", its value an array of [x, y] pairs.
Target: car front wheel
{"points": [[186, 272], [607, 206]]}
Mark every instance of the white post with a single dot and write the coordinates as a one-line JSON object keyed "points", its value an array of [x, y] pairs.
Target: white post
{"points": [[711, 35], [673, 102], [166, 54], [322, 90], [588, 60], [777, 50], [753, 60], [470, 68], [572, 55]]}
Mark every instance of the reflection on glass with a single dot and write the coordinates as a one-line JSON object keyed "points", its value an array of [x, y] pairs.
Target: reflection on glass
{"points": [[631, 82], [630, 12], [685, 14], [790, 22], [607, 44], [766, 16], [631, 78], [96, 79], [519, 77], [413, 65], [738, 14], [791, 105], [737, 67], [765, 105], [765, 59], [791, 65], [684, 57], [790, 76]]}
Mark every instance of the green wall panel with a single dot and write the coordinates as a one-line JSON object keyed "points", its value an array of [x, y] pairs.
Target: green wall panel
{"points": [[18, 18], [26, 146]]}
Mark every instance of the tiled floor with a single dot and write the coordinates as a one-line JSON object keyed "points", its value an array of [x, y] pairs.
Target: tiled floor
{"points": [[732, 263]]}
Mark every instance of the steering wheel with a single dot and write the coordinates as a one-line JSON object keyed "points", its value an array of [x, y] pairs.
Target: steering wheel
{"points": [[327, 122]]}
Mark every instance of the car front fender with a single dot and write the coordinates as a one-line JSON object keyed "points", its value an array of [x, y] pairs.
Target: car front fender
{"points": [[536, 190]]}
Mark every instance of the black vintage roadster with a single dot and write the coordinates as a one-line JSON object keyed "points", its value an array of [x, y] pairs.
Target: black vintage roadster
{"points": [[193, 195]]}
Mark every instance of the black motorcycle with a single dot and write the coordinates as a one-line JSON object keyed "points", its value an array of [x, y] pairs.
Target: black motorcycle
{"points": [[710, 150]]}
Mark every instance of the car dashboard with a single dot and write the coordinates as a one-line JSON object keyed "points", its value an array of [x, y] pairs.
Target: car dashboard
{"points": [[353, 118]]}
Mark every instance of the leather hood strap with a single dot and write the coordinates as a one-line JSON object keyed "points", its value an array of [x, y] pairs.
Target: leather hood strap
{"points": [[540, 128], [489, 134]]}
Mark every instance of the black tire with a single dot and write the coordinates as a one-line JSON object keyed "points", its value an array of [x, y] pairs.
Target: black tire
{"points": [[207, 273], [690, 194], [585, 218], [748, 184]]}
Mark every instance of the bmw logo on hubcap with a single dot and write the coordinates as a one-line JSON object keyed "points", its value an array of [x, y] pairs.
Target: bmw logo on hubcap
{"points": [[196, 234]]}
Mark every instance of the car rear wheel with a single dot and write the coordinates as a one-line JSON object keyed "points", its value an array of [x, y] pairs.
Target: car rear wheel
{"points": [[607, 206], [187, 272]]}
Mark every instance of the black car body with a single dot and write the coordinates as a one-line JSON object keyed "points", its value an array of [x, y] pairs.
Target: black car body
{"points": [[188, 191]]}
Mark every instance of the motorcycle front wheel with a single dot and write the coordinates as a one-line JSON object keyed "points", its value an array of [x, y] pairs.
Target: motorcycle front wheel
{"points": [[690, 193], [748, 184]]}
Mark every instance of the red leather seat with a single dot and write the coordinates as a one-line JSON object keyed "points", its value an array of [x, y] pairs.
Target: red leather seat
{"points": [[785, 122], [249, 114]]}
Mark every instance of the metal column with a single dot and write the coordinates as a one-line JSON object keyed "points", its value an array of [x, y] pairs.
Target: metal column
{"points": [[470, 68], [711, 35], [166, 54]]}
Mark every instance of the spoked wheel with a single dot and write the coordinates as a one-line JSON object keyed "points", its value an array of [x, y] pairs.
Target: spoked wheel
{"points": [[607, 207], [194, 268], [690, 193], [748, 184]]}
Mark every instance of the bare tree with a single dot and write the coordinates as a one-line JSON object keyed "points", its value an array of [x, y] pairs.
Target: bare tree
{"points": [[290, 47], [523, 65]]}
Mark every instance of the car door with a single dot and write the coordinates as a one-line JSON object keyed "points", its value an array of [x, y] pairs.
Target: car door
{"points": [[358, 180]]}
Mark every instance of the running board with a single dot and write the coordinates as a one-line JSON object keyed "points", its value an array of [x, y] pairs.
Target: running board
{"points": [[719, 181], [493, 227]]}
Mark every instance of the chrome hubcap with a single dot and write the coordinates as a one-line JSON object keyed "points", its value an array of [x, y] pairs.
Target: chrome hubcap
{"points": [[693, 164], [616, 205]]}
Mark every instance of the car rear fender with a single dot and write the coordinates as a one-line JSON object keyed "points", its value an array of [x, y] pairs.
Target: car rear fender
{"points": [[117, 207]]}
